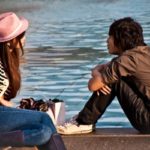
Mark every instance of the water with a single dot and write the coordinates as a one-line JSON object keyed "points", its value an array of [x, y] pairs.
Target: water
{"points": [[65, 40]]}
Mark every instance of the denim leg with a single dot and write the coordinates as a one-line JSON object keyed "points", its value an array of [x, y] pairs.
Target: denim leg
{"points": [[94, 108], [36, 126]]}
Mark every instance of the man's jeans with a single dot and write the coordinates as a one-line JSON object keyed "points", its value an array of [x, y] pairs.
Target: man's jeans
{"points": [[133, 102], [35, 126]]}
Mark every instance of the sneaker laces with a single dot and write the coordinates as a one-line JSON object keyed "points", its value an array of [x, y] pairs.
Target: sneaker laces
{"points": [[70, 122]]}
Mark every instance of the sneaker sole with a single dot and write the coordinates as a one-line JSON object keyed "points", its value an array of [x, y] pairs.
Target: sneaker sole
{"points": [[73, 133]]}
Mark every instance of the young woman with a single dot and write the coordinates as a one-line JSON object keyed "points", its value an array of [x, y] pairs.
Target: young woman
{"points": [[19, 127], [127, 76]]}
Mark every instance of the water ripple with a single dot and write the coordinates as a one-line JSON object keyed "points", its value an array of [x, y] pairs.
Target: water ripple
{"points": [[65, 40]]}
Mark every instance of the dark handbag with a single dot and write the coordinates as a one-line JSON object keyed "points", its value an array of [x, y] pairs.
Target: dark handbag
{"points": [[54, 108]]}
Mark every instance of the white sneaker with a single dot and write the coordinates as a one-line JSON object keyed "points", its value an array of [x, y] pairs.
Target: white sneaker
{"points": [[73, 127]]}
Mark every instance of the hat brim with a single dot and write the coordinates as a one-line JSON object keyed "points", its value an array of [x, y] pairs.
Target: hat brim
{"points": [[23, 28]]}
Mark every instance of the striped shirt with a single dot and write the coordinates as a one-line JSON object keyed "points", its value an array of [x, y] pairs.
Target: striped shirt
{"points": [[4, 82]]}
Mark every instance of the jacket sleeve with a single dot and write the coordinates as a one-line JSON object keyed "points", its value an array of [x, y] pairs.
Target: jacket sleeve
{"points": [[121, 66]]}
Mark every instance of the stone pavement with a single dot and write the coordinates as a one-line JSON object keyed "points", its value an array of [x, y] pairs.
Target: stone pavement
{"points": [[106, 139]]}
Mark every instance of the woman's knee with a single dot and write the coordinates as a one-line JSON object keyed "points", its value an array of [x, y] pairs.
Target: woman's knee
{"points": [[37, 135], [46, 120]]}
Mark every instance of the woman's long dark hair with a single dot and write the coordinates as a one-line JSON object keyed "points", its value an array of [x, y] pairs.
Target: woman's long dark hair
{"points": [[127, 33], [10, 59]]}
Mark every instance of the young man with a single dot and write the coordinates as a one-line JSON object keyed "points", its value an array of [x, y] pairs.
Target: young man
{"points": [[127, 76]]}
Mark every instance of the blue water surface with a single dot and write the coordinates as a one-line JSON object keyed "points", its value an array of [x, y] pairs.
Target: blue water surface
{"points": [[66, 39]]}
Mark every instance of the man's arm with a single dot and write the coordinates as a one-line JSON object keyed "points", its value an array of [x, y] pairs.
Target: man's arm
{"points": [[97, 84], [97, 69]]}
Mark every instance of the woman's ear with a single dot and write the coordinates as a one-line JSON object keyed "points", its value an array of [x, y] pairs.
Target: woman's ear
{"points": [[8, 44], [14, 43]]}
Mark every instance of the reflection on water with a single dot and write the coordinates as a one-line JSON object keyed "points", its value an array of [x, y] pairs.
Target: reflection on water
{"points": [[65, 40]]}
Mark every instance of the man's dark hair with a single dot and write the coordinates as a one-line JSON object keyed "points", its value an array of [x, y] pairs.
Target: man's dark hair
{"points": [[127, 33]]}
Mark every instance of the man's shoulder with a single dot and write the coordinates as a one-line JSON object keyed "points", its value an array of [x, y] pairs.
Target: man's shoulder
{"points": [[135, 54], [139, 50]]}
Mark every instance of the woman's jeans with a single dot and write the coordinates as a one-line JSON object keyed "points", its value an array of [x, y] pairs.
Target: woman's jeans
{"points": [[35, 126], [134, 104]]}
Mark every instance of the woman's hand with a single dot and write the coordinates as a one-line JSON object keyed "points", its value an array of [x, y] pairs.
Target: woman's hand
{"points": [[5, 102]]}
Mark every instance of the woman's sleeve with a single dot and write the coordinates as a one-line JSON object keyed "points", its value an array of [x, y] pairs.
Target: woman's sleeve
{"points": [[121, 66]]}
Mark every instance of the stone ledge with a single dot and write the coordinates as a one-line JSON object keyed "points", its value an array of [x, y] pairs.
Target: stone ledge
{"points": [[106, 139], [109, 139]]}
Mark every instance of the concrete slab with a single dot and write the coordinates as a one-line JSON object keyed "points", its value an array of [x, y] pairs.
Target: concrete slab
{"points": [[106, 139], [109, 139]]}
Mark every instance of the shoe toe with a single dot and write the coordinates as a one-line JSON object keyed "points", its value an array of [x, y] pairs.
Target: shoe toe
{"points": [[61, 130]]}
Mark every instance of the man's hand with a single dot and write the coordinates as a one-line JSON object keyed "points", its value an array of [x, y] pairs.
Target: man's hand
{"points": [[105, 90], [96, 84]]}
